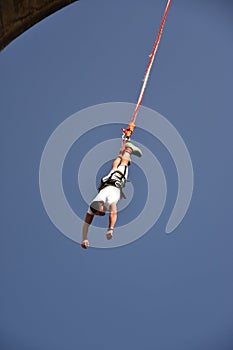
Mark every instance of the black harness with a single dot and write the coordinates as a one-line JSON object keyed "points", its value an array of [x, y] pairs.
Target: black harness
{"points": [[118, 182]]}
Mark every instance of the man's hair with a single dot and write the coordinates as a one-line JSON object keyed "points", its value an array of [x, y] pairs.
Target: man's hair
{"points": [[95, 207]]}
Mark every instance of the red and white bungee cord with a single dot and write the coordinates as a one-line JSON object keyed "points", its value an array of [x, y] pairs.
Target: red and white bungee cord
{"points": [[128, 132]]}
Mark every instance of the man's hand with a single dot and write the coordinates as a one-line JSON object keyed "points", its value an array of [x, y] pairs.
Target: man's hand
{"points": [[109, 233], [85, 244]]}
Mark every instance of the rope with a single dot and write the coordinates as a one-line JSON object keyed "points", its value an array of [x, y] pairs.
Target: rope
{"points": [[131, 125]]}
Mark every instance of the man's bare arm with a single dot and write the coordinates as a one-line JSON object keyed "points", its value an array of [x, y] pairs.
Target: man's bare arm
{"points": [[112, 220], [87, 222], [112, 215]]}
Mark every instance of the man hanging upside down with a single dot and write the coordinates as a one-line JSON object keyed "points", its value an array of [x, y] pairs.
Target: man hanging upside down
{"points": [[110, 192]]}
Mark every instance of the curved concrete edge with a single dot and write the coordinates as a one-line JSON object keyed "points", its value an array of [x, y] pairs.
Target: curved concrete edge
{"points": [[16, 16]]}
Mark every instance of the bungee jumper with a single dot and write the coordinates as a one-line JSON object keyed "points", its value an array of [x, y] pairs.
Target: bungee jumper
{"points": [[111, 187], [110, 192]]}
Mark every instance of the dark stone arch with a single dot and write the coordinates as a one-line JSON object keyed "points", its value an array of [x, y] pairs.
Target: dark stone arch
{"points": [[16, 16]]}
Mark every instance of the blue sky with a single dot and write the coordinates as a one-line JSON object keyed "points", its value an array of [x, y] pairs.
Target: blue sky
{"points": [[163, 291]]}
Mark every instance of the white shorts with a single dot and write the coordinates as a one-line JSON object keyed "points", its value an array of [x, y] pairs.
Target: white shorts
{"points": [[109, 195]]}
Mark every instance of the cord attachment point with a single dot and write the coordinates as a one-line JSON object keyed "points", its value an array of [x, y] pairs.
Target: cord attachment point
{"points": [[127, 133]]}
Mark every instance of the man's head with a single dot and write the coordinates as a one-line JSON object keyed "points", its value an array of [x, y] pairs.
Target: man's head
{"points": [[97, 208]]}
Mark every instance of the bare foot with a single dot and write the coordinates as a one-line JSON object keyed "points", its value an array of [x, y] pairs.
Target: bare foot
{"points": [[85, 244]]}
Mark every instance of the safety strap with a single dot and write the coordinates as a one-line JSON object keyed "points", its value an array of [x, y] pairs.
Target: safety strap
{"points": [[113, 182]]}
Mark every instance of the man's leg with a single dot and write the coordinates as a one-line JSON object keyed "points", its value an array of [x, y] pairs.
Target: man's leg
{"points": [[129, 149], [116, 162], [132, 149], [118, 159], [123, 157]]}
